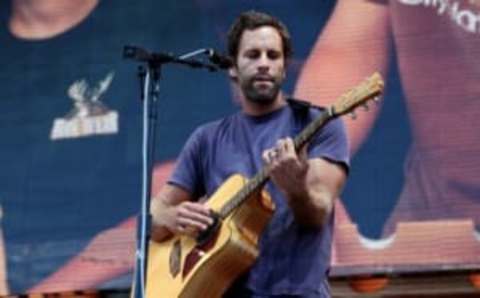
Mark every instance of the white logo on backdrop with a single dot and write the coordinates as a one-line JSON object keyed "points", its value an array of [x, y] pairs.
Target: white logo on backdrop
{"points": [[89, 115], [466, 18]]}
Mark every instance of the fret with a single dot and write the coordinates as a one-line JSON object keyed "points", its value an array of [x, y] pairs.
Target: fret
{"points": [[243, 194], [307, 134]]}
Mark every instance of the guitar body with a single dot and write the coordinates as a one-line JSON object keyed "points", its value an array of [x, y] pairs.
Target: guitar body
{"points": [[182, 267]]}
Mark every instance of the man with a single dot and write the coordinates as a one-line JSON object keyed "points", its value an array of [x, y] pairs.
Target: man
{"points": [[295, 247], [437, 46]]}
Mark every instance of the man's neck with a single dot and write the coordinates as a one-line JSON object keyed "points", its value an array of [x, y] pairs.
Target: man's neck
{"points": [[42, 19], [255, 109]]}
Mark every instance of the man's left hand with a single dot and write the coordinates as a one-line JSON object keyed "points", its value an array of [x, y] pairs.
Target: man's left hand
{"points": [[287, 169]]}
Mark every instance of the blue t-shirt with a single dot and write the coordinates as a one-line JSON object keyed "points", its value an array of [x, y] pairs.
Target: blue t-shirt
{"points": [[293, 259]]}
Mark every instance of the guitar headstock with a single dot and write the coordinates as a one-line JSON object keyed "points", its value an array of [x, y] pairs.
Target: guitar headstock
{"points": [[370, 89]]}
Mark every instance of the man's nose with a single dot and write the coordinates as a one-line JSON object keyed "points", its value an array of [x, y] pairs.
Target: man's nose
{"points": [[263, 64]]}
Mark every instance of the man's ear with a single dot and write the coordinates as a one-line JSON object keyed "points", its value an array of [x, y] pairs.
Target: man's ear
{"points": [[233, 74]]}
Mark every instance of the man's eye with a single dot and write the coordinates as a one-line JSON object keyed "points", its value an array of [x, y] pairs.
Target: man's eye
{"points": [[253, 54], [273, 55]]}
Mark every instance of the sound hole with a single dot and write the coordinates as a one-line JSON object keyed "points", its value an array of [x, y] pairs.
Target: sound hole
{"points": [[175, 257], [205, 241]]}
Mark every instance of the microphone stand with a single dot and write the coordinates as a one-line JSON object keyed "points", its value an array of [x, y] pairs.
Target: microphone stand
{"points": [[149, 75]]}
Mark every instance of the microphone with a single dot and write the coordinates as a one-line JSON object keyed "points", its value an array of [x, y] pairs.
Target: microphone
{"points": [[221, 61], [159, 58], [140, 54]]}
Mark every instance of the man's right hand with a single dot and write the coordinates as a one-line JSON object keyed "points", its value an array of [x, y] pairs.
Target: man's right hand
{"points": [[175, 211], [187, 218]]}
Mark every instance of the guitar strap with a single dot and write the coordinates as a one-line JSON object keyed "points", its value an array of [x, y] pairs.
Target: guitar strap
{"points": [[301, 113]]}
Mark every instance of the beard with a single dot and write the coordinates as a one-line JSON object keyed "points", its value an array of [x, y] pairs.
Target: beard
{"points": [[262, 95]]}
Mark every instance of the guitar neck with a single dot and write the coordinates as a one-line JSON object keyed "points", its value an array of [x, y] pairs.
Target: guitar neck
{"points": [[258, 181], [309, 132], [371, 88]]}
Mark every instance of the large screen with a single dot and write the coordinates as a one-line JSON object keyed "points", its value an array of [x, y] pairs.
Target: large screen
{"points": [[71, 128]]}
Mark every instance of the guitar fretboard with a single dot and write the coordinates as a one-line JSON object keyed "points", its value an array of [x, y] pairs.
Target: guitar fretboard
{"points": [[258, 181]]}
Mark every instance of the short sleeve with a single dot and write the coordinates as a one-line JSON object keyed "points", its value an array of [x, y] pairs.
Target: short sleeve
{"points": [[188, 173], [331, 143]]}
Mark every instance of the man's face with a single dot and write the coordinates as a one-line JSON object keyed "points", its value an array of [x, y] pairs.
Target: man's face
{"points": [[260, 65]]}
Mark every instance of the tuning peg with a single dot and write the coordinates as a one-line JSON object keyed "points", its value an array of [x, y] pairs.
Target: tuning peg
{"points": [[353, 115], [376, 99]]}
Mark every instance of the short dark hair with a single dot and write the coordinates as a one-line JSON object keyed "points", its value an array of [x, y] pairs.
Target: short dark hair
{"points": [[252, 20]]}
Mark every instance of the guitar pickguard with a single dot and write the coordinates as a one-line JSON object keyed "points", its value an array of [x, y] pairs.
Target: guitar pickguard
{"points": [[175, 258]]}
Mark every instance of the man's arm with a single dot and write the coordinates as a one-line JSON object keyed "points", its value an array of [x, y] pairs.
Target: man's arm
{"points": [[353, 45], [323, 184], [310, 185], [173, 212]]}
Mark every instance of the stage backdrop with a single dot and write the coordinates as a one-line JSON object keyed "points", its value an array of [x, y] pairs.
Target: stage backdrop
{"points": [[70, 122]]}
